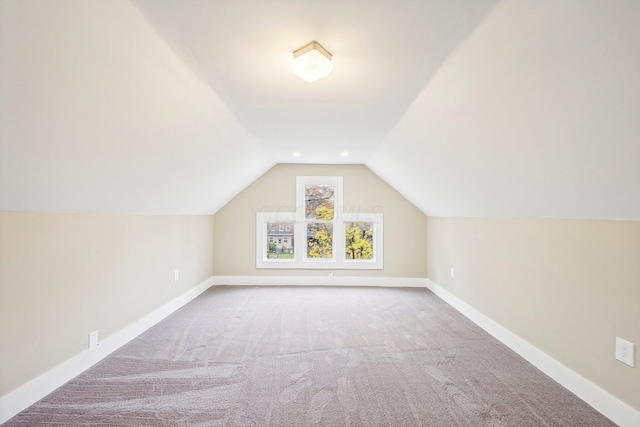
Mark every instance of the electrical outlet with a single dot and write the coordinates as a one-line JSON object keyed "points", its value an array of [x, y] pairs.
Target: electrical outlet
{"points": [[330, 275], [176, 275], [453, 273], [625, 351], [93, 339]]}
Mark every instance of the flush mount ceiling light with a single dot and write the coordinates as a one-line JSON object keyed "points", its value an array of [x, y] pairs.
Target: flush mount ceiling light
{"points": [[311, 62]]}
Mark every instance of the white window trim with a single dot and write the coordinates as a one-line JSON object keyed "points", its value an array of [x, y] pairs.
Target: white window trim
{"points": [[262, 238], [301, 183], [378, 241], [300, 259]]}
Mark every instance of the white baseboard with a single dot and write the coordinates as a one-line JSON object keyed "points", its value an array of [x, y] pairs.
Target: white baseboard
{"points": [[396, 282], [605, 403], [28, 394]]}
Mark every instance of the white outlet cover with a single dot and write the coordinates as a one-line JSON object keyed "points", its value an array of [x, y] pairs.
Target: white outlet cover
{"points": [[453, 273], [625, 351], [93, 339], [176, 275]]}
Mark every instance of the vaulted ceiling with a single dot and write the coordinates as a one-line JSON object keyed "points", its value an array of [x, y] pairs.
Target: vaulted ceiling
{"points": [[467, 107]]}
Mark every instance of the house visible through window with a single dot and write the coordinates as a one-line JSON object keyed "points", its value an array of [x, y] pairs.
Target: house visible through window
{"points": [[281, 241], [331, 238]]}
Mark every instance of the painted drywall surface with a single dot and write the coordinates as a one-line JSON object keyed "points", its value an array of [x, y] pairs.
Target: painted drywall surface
{"points": [[115, 108], [404, 224], [533, 115], [65, 275], [568, 287]]}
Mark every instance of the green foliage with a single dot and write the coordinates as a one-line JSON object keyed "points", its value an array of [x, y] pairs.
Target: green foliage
{"points": [[284, 255], [359, 240], [319, 201], [324, 213], [321, 244]]}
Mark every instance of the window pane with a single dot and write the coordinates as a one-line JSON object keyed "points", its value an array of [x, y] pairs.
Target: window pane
{"points": [[319, 240], [281, 242], [358, 240], [318, 202]]}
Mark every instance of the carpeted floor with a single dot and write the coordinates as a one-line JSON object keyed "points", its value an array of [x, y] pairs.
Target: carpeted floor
{"points": [[313, 356]]}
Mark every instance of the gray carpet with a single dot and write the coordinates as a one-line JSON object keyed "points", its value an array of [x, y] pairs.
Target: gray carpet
{"points": [[313, 356]]}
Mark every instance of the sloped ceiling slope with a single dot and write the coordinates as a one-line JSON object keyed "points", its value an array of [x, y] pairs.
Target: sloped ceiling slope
{"points": [[467, 107], [535, 114], [98, 114], [384, 52]]}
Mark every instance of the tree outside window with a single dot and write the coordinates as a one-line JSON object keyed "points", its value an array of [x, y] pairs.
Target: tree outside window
{"points": [[358, 240], [332, 238]]}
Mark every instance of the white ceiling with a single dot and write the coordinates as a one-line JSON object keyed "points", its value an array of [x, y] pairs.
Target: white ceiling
{"points": [[467, 107], [536, 114], [384, 53]]}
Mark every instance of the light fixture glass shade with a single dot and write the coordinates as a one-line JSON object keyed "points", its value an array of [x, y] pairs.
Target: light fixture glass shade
{"points": [[311, 62]]}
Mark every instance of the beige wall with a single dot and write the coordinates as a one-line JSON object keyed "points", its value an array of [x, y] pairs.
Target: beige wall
{"points": [[65, 275], [568, 287], [404, 224]]}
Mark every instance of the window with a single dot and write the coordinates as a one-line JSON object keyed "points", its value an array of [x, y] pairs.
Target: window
{"points": [[363, 240], [331, 239], [358, 240], [319, 216], [276, 243]]}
